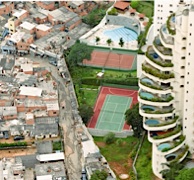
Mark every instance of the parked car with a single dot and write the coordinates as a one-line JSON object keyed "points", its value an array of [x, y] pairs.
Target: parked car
{"points": [[53, 63], [17, 138]]}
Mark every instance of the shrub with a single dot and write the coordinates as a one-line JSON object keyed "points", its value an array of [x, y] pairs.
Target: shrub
{"points": [[113, 12], [134, 4], [109, 138]]}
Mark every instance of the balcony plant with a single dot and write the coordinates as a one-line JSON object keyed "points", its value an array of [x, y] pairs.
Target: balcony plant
{"points": [[165, 123], [162, 49], [168, 25], [157, 99]]}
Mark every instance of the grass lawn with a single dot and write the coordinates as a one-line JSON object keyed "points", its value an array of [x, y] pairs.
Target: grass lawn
{"points": [[146, 8], [117, 154], [143, 164], [79, 72], [56, 145]]}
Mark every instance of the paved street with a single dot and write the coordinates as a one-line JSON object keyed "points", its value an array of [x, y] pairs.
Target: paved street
{"points": [[73, 152]]}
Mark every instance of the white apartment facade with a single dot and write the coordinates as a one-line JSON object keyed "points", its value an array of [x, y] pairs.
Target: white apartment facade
{"points": [[163, 9], [166, 95]]}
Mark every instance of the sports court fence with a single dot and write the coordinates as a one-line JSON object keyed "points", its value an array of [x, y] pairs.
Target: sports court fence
{"points": [[101, 133]]}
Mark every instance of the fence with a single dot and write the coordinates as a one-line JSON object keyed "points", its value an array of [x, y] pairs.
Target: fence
{"points": [[100, 133]]}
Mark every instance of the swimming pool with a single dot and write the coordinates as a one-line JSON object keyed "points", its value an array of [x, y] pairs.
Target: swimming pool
{"points": [[148, 108], [151, 122], [122, 32], [163, 146], [148, 81], [146, 95]]}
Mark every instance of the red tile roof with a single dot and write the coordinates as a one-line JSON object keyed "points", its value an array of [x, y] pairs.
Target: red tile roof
{"points": [[121, 5], [132, 10], [141, 15]]}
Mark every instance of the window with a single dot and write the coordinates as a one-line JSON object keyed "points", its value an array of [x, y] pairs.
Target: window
{"points": [[182, 76], [190, 24], [182, 67], [181, 86], [186, 100], [187, 91], [189, 54], [185, 118], [170, 5], [189, 34], [183, 47], [170, 12], [183, 57], [185, 109], [188, 73], [188, 63], [184, 38], [187, 82]]}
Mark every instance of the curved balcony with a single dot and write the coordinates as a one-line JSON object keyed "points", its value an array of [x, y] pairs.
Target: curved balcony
{"points": [[154, 60], [159, 125], [166, 38], [154, 112], [157, 75], [164, 136], [150, 86], [177, 156], [154, 100], [171, 146], [163, 52], [170, 24]]}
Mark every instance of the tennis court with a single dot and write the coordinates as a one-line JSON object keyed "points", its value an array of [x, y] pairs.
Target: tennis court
{"points": [[112, 113]]}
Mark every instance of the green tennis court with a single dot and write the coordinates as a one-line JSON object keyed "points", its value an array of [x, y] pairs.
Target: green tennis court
{"points": [[112, 114]]}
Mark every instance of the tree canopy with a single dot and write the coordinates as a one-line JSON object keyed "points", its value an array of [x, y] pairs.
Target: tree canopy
{"points": [[134, 119], [99, 175], [109, 138], [134, 4], [121, 42], [85, 112], [186, 174], [79, 52]]}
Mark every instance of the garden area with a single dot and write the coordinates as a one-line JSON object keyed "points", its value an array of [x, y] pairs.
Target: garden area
{"points": [[121, 153]]}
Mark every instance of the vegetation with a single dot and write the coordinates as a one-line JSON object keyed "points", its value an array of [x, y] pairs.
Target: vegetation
{"points": [[151, 86], [159, 111], [157, 73], [109, 138], [185, 174], [79, 52], [95, 16], [157, 99], [171, 31], [171, 171], [162, 49], [109, 41], [181, 154], [134, 119], [168, 134], [57, 145], [113, 12], [143, 164], [121, 42], [165, 123], [97, 39], [15, 144], [85, 112], [99, 175], [134, 4]]}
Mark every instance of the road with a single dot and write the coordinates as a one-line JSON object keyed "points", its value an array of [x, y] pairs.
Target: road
{"points": [[73, 151]]}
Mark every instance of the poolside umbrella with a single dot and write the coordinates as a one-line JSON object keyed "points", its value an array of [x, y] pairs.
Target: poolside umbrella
{"points": [[141, 16], [132, 11]]}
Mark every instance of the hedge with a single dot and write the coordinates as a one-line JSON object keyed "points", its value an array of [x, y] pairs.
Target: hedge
{"points": [[16, 144]]}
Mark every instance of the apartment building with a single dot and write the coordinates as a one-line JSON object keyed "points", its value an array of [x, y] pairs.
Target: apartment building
{"points": [[166, 90], [6, 8], [162, 11]]}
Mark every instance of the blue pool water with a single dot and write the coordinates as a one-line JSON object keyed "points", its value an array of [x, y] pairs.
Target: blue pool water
{"points": [[155, 56], [145, 107], [146, 95], [125, 33], [163, 146], [152, 122], [148, 81]]}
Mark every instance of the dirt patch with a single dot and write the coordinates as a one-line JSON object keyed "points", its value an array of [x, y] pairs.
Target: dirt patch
{"points": [[101, 144], [119, 168]]}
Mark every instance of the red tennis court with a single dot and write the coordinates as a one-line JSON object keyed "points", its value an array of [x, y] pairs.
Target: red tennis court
{"points": [[110, 60], [101, 99]]}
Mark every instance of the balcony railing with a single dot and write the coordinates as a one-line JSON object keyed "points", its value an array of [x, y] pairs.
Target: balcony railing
{"points": [[164, 123], [161, 48], [156, 73], [181, 155], [165, 35], [157, 99], [168, 134], [156, 87], [158, 111], [158, 61], [170, 24], [174, 144]]}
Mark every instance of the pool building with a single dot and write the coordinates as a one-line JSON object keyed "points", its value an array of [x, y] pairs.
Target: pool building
{"points": [[166, 98]]}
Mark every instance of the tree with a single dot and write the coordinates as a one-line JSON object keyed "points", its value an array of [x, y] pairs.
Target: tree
{"points": [[79, 52], [134, 119], [113, 12], [97, 39], [134, 4], [99, 175], [109, 41], [121, 42], [186, 174], [85, 112], [109, 138], [171, 171]]}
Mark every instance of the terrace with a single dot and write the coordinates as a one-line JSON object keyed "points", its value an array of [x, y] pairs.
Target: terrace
{"points": [[158, 45], [151, 84], [156, 110], [171, 24], [154, 57], [161, 75], [165, 35]]}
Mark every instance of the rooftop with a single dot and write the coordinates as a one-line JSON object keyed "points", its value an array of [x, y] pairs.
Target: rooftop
{"points": [[51, 157], [19, 13], [43, 27], [121, 5], [30, 91], [27, 25]]}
